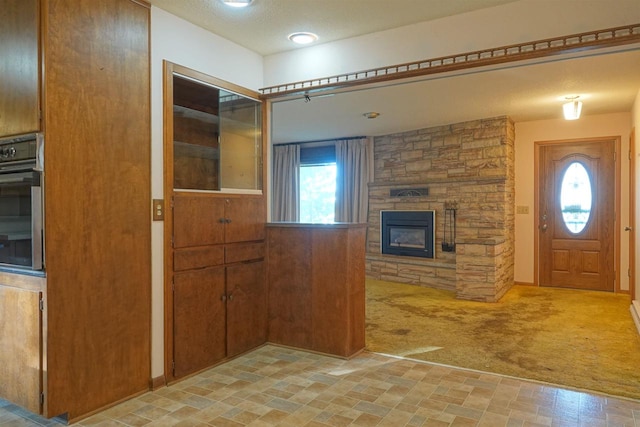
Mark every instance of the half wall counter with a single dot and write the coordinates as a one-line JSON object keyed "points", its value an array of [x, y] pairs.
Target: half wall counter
{"points": [[316, 276]]}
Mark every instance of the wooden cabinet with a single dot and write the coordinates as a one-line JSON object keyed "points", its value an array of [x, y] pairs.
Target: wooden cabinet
{"points": [[216, 132], [89, 346], [19, 67], [199, 330], [215, 295], [316, 286], [21, 338], [219, 288], [203, 219], [246, 307]]}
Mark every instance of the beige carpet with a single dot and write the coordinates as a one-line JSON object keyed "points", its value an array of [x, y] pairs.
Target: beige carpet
{"points": [[580, 339]]}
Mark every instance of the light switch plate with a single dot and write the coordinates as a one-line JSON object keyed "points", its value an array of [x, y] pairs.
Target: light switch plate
{"points": [[522, 209], [158, 209]]}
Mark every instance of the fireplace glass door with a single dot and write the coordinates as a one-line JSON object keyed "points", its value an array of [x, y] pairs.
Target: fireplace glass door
{"points": [[408, 233]]}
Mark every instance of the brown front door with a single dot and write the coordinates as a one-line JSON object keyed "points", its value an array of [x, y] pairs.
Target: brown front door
{"points": [[576, 214]]}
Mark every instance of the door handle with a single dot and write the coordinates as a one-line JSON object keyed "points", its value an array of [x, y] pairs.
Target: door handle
{"points": [[627, 228], [543, 227]]}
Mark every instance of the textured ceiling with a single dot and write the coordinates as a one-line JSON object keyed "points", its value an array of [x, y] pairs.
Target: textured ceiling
{"points": [[264, 26]]}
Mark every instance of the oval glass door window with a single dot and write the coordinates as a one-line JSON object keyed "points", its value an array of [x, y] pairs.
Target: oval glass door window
{"points": [[575, 197]]}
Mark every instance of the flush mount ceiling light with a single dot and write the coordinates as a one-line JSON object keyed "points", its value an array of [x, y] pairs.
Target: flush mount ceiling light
{"points": [[303, 37], [573, 108], [237, 3], [371, 115]]}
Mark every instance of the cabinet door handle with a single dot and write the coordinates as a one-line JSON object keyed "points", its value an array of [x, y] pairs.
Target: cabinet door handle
{"points": [[222, 220], [228, 221], [231, 297], [223, 298]]}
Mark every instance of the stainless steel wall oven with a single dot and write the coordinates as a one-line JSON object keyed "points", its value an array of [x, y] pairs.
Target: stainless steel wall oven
{"points": [[21, 203]]}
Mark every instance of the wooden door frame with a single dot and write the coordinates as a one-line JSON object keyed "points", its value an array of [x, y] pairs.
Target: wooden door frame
{"points": [[538, 145], [632, 214], [167, 108]]}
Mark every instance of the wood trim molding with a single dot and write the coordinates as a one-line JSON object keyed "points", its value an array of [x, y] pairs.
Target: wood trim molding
{"points": [[563, 45], [525, 284], [192, 74], [632, 213], [157, 382]]}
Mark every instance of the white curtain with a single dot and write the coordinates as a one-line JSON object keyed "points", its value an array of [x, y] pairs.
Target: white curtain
{"points": [[354, 160], [286, 187]]}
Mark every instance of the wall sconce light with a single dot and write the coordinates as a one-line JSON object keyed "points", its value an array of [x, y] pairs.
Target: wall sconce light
{"points": [[572, 109]]}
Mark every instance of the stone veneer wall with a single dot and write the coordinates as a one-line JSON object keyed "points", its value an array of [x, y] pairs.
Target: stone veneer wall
{"points": [[469, 163]]}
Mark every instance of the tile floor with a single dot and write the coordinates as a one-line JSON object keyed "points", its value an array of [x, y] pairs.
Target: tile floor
{"points": [[275, 386]]}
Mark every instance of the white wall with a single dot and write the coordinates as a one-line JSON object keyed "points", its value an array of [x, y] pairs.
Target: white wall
{"points": [[177, 41], [527, 133], [521, 21]]}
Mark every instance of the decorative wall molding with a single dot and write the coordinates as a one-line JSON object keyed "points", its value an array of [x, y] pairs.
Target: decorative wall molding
{"points": [[599, 39]]}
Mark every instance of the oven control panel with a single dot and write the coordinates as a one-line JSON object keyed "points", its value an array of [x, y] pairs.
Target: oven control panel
{"points": [[19, 148]]}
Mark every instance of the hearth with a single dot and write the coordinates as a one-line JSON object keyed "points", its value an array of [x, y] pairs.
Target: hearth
{"points": [[408, 233]]}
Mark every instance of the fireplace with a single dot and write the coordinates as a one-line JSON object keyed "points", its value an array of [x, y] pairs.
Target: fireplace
{"points": [[408, 233]]}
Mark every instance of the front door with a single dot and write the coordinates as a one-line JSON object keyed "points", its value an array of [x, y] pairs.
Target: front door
{"points": [[576, 215]]}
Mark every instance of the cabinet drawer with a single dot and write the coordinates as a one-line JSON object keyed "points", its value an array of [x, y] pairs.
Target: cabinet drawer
{"points": [[244, 252], [187, 259]]}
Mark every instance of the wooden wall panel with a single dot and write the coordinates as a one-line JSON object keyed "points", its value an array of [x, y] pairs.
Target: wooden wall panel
{"points": [[356, 290], [330, 322], [316, 286], [98, 223], [289, 286]]}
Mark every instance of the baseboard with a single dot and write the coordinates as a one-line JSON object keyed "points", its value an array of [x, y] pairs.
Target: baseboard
{"points": [[635, 313], [157, 382], [525, 283]]}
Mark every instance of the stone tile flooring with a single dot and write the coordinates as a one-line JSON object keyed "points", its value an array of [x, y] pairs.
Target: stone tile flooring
{"points": [[275, 386]]}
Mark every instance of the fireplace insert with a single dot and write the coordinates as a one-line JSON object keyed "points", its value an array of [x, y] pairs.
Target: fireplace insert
{"points": [[408, 233]]}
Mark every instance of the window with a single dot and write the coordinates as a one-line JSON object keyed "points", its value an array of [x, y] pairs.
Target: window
{"points": [[575, 197], [317, 184]]}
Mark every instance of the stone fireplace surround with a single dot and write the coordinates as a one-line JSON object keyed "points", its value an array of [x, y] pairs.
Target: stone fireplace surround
{"points": [[470, 163]]}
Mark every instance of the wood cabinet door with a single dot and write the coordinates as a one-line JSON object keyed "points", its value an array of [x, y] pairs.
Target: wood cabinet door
{"points": [[20, 336], [198, 319], [245, 219], [19, 85], [246, 307], [198, 220]]}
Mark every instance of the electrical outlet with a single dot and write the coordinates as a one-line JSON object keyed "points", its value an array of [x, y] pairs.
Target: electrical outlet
{"points": [[522, 209]]}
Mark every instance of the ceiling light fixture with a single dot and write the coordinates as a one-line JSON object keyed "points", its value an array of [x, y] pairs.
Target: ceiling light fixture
{"points": [[371, 115], [303, 37], [237, 3], [573, 108]]}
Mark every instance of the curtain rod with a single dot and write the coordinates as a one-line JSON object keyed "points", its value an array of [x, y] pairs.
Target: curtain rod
{"points": [[321, 140]]}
